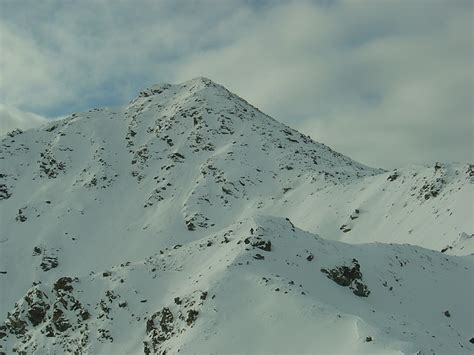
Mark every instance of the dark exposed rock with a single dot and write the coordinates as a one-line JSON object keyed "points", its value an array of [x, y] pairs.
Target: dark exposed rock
{"points": [[470, 172], [345, 228], [14, 324], [192, 316], [14, 132], [50, 314], [360, 289], [394, 176], [104, 334], [197, 220], [4, 193], [63, 284], [348, 276], [226, 191], [190, 226], [257, 242], [36, 301], [49, 262], [20, 217], [50, 167], [3, 330], [162, 331], [85, 315], [265, 245], [431, 189], [446, 249], [176, 157], [60, 322], [355, 214], [49, 331]]}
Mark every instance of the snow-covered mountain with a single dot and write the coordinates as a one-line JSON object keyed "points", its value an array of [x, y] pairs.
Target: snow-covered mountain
{"points": [[175, 223]]}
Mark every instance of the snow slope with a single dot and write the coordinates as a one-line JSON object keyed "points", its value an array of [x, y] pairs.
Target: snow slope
{"points": [[174, 182], [429, 206], [259, 286]]}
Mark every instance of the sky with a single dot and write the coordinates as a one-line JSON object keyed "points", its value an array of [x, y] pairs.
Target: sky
{"points": [[387, 82]]}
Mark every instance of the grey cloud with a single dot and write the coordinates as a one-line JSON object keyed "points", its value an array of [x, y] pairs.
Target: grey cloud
{"points": [[386, 82], [67, 54]]}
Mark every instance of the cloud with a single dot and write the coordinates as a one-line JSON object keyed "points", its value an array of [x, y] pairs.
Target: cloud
{"points": [[64, 56], [388, 83], [11, 118]]}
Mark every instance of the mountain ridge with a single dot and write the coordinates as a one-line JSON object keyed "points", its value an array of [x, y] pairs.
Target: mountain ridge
{"points": [[191, 166]]}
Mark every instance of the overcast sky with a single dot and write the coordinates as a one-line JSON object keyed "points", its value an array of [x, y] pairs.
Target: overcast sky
{"points": [[386, 82]]}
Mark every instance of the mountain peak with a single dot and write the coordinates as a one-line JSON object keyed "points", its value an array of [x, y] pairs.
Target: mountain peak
{"points": [[153, 216], [200, 80], [191, 86]]}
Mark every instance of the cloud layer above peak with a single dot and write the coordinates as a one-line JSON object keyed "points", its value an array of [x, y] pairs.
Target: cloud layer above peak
{"points": [[12, 118], [386, 82]]}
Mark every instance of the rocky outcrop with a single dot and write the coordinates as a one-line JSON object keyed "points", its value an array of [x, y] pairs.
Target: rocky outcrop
{"points": [[348, 276]]}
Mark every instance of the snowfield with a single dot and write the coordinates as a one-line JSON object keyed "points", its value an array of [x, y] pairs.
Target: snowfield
{"points": [[189, 221]]}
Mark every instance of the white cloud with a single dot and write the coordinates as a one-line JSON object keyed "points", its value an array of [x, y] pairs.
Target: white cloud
{"points": [[67, 55], [386, 82], [11, 118]]}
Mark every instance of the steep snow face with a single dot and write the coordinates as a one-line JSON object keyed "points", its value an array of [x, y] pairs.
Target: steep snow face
{"points": [[179, 166], [176, 164], [259, 286], [427, 206]]}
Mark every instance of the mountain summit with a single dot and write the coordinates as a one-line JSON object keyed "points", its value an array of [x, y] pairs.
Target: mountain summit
{"points": [[175, 222]]}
